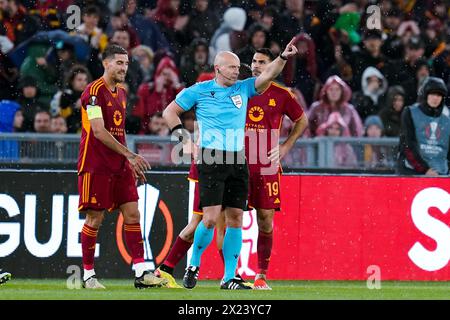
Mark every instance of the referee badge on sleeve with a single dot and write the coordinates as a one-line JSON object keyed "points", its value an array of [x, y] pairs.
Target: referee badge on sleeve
{"points": [[237, 101]]}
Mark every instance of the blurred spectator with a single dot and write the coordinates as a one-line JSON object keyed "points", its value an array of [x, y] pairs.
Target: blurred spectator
{"points": [[392, 20], [171, 22], [203, 21], [18, 23], [368, 101], [370, 55], [334, 96], [425, 134], [348, 23], [374, 155], [441, 60], [398, 71], [270, 22], [6, 45], [188, 120], [254, 9], [37, 66], [407, 30], [155, 96], [157, 126], [335, 126], [421, 72], [65, 60], [373, 127], [10, 118], [291, 21], [104, 12], [134, 76], [195, 61], [144, 55], [393, 45], [42, 122], [302, 72], [89, 29], [119, 21], [58, 125], [156, 153], [147, 30], [167, 14], [29, 101], [8, 71], [230, 35], [392, 109], [258, 38], [434, 37], [18, 121], [47, 13], [66, 102]]}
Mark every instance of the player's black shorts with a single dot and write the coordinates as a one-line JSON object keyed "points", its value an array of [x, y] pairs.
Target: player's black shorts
{"points": [[224, 182]]}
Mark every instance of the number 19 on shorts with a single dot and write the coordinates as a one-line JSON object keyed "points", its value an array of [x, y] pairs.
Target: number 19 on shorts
{"points": [[272, 188]]}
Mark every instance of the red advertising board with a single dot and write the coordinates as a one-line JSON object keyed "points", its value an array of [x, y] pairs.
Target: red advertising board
{"points": [[344, 227]]}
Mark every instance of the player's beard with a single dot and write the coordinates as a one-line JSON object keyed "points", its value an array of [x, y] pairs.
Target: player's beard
{"points": [[119, 78], [256, 73]]}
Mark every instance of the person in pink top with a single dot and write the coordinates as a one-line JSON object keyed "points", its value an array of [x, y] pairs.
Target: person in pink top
{"points": [[334, 97]]}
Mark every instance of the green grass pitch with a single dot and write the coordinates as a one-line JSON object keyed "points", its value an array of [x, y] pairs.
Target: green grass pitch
{"points": [[56, 289]]}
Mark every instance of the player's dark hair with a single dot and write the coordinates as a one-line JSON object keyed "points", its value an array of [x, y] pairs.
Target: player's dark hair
{"points": [[267, 52], [112, 50]]}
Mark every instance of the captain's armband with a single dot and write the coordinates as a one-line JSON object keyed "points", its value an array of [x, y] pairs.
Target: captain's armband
{"points": [[94, 112]]}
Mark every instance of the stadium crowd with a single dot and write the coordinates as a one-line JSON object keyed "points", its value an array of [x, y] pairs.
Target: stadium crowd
{"points": [[351, 80]]}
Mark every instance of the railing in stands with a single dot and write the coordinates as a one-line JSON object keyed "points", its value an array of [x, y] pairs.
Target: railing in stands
{"points": [[315, 153]]}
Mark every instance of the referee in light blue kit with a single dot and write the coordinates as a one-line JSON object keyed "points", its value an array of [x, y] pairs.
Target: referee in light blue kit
{"points": [[221, 107]]}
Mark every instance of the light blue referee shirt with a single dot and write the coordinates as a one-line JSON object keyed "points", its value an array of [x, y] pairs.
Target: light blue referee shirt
{"points": [[220, 111]]}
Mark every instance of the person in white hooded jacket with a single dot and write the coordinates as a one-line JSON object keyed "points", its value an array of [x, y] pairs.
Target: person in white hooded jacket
{"points": [[234, 20], [369, 100]]}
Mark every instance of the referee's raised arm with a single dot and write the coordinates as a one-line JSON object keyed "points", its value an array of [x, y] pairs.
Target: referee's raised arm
{"points": [[275, 67]]}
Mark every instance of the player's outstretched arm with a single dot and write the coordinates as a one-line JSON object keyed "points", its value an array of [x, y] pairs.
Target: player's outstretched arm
{"points": [[138, 164], [274, 68]]}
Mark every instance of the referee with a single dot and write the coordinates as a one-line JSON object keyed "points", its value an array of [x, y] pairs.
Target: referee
{"points": [[221, 106]]}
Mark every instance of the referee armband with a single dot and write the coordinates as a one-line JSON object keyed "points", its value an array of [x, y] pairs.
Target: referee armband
{"points": [[94, 112]]}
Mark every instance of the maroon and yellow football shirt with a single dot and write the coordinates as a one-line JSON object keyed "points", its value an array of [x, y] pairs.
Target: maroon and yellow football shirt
{"points": [[264, 118], [94, 156]]}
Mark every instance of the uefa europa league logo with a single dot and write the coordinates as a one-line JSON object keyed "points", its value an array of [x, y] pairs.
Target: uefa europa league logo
{"points": [[433, 127]]}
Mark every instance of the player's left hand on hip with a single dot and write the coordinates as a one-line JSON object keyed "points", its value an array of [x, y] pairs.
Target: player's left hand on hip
{"points": [[291, 49], [274, 155]]}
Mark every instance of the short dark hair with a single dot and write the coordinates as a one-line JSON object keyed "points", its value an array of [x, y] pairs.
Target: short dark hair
{"points": [[158, 114], [74, 71], [92, 10], [267, 52], [112, 50], [39, 110]]}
